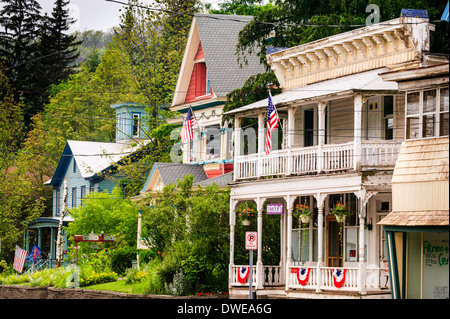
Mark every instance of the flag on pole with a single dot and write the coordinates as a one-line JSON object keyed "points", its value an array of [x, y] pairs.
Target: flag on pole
{"points": [[19, 259], [272, 123], [34, 254], [445, 14], [187, 130]]}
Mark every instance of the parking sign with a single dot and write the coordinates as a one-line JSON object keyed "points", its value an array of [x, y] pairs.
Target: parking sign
{"points": [[251, 240]]}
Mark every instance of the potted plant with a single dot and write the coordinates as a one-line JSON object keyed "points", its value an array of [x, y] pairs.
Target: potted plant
{"points": [[304, 213], [246, 214], [340, 211]]}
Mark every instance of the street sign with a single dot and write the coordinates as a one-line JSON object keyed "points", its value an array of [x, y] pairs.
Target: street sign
{"points": [[251, 240]]}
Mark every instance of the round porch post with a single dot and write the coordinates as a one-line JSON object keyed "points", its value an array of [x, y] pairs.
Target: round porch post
{"points": [[259, 263], [233, 205], [320, 198], [290, 203]]}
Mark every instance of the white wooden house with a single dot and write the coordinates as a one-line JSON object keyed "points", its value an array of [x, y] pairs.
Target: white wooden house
{"points": [[342, 127]]}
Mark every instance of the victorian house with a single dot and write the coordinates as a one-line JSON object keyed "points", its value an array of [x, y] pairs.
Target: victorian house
{"points": [[341, 130], [86, 167]]}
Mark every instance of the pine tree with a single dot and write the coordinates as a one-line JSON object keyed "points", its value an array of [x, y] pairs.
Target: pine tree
{"points": [[56, 50], [19, 29]]}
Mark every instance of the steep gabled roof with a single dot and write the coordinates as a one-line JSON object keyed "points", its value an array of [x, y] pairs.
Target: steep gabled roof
{"points": [[218, 35], [169, 173], [91, 158]]}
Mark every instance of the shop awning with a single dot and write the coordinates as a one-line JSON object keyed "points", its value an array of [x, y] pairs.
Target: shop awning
{"points": [[425, 218]]}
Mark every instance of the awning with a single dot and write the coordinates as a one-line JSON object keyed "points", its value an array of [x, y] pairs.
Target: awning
{"points": [[424, 218], [366, 82]]}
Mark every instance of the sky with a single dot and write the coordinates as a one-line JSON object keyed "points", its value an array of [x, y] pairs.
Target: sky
{"points": [[95, 14]]}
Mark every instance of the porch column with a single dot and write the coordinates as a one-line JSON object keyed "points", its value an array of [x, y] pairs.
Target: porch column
{"points": [[233, 205], [237, 145], [290, 138], [363, 198], [357, 131], [52, 243], [261, 140], [259, 263], [39, 243], [320, 198], [290, 206], [321, 107]]}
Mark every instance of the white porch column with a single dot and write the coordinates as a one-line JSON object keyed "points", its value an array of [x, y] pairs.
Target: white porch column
{"points": [[259, 263], [290, 138], [363, 198], [237, 145], [290, 199], [233, 205], [320, 198], [357, 131], [321, 107], [261, 142]]}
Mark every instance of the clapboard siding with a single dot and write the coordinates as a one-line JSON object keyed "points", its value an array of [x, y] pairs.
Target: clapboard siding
{"points": [[340, 120]]}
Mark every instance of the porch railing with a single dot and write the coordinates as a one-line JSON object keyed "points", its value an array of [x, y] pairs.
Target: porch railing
{"points": [[328, 158], [271, 276]]}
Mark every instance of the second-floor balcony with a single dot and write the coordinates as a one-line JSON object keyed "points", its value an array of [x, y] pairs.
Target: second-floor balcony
{"points": [[353, 123], [378, 155]]}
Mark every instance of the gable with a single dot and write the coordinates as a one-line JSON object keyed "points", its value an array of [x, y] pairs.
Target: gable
{"points": [[215, 37]]}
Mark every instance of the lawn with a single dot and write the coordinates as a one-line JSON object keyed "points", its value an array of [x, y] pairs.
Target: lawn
{"points": [[119, 286]]}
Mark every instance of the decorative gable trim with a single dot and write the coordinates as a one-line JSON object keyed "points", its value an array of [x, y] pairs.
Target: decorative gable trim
{"points": [[389, 43]]}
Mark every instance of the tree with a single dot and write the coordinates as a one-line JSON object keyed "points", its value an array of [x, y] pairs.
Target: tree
{"points": [[107, 213], [56, 50], [19, 204], [189, 228], [240, 7], [20, 26]]}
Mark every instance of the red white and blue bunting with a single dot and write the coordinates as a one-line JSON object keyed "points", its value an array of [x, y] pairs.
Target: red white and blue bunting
{"points": [[302, 274], [243, 274], [338, 277]]}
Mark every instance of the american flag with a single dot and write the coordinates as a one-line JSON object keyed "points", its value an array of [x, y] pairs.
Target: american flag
{"points": [[19, 259], [187, 132], [272, 124]]}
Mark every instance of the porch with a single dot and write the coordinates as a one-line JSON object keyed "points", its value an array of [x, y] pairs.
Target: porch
{"points": [[323, 258]]}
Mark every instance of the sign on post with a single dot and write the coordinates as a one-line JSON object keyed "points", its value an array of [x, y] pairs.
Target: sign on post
{"points": [[274, 209], [251, 240]]}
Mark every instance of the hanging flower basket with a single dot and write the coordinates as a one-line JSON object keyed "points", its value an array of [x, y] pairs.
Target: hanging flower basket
{"points": [[340, 211], [246, 214], [304, 213]]}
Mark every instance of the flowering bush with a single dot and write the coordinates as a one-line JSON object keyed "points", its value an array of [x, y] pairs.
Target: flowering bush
{"points": [[94, 278]]}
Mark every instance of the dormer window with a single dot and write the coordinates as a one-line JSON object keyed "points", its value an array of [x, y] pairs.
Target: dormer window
{"points": [[199, 85]]}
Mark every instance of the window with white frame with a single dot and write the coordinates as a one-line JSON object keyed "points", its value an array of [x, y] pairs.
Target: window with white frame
{"points": [[427, 113]]}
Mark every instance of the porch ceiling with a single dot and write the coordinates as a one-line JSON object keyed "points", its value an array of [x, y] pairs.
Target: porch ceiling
{"points": [[368, 82]]}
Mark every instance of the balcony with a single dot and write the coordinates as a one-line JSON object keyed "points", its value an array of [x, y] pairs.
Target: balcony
{"points": [[373, 155]]}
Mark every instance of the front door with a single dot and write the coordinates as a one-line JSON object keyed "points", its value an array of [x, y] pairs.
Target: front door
{"points": [[334, 243]]}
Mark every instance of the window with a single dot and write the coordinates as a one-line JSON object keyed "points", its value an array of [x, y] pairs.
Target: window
{"points": [[427, 113], [135, 125], [388, 105], [74, 166], [82, 194], [58, 202], [74, 197]]}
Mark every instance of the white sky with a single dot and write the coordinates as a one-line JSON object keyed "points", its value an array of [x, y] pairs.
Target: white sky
{"points": [[96, 14]]}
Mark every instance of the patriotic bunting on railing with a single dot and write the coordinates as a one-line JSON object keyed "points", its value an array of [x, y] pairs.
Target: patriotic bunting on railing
{"points": [[302, 274], [338, 277], [243, 274]]}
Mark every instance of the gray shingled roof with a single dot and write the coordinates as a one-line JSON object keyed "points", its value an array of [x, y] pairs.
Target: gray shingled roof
{"points": [[170, 172], [219, 35], [221, 180]]}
